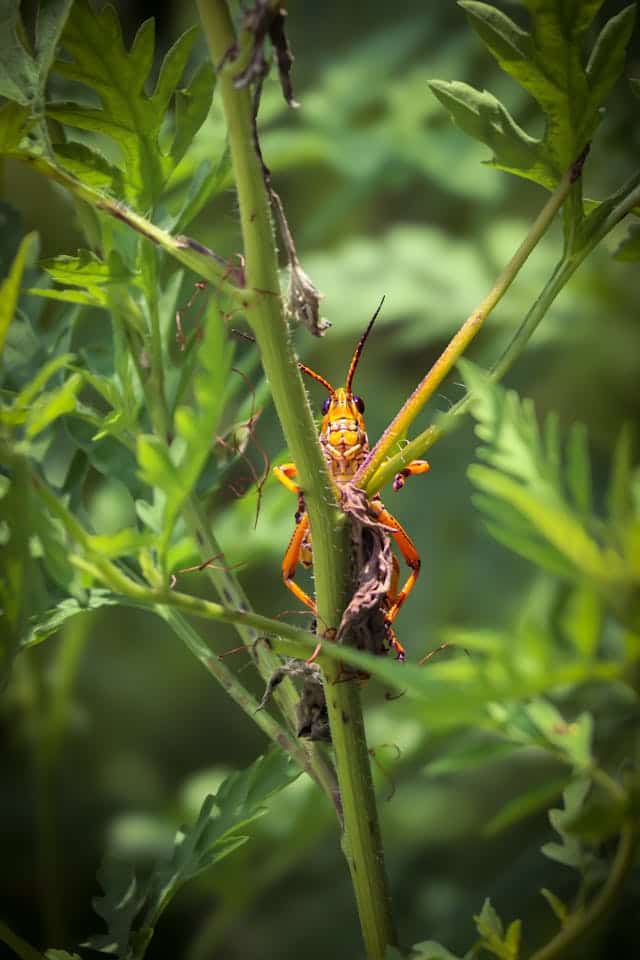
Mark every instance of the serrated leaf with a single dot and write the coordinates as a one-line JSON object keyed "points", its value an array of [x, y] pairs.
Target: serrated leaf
{"points": [[569, 852], [87, 270], [97, 298], [128, 115], [22, 76], [46, 624], [89, 165], [177, 471], [572, 739], [192, 107], [535, 504], [607, 57], [483, 117], [49, 406], [547, 62], [10, 287], [131, 914]]}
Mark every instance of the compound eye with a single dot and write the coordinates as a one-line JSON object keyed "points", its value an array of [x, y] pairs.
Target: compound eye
{"points": [[359, 402], [325, 406]]}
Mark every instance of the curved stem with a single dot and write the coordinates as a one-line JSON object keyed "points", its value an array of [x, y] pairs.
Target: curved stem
{"points": [[565, 268], [576, 927], [368, 476]]}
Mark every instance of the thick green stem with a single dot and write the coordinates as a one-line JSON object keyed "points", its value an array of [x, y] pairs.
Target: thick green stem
{"points": [[330, 539]]}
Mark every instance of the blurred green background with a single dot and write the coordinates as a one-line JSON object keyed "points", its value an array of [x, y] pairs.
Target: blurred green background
{"points": [[384, 196]]}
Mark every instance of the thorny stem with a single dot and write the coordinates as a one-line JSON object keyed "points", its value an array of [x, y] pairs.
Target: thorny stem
{"points": [[375, 472], [330, 545]]}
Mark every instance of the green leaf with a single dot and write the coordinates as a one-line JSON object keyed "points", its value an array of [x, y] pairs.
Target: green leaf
{"points": [[535, 504], [484, 118], [570, 851], [47, 624], [176, 472], [559, 908], [579, 480], [23, 76], [572, 739], [582, 620], [430, 950], [127, 114], [523, 806], [10, 287], [15, 557], [130, 912], [488, 923], [87, 270], [49, 406], [619, 500], [15, 123], [492, 936], [607, 57], [89, 165], [208, 180], [470, 756], [547, 62]]}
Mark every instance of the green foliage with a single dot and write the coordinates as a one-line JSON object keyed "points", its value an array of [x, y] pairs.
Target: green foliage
{"points": [[541, 507], [548, 62], [132, 910], [494, 938], [110, 462], [128, 115]]}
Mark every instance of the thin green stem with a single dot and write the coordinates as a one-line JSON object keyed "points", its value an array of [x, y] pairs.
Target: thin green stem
{"points": [[330, 536], [369, 475], [565, 268], [222, 274], [578, 925]]}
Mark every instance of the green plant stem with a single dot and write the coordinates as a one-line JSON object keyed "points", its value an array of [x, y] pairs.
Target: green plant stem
{"points": [[578, 925], [564, 270], [369, 476], [330, 536], [222, 274]]}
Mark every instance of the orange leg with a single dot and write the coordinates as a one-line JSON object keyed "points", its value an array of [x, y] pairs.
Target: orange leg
{"points": [[291, 559], [409, 554], [411, 470], [285, 473]]}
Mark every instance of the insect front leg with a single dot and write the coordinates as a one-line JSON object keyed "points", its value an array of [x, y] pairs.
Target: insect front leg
{"points": [[411, 470]]}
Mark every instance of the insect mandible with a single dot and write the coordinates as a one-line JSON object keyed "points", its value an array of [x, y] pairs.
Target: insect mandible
{"points": [[343, 439]]}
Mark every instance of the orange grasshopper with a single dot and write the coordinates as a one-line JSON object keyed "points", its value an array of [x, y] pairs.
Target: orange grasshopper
{"points": [[343, 439]]}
